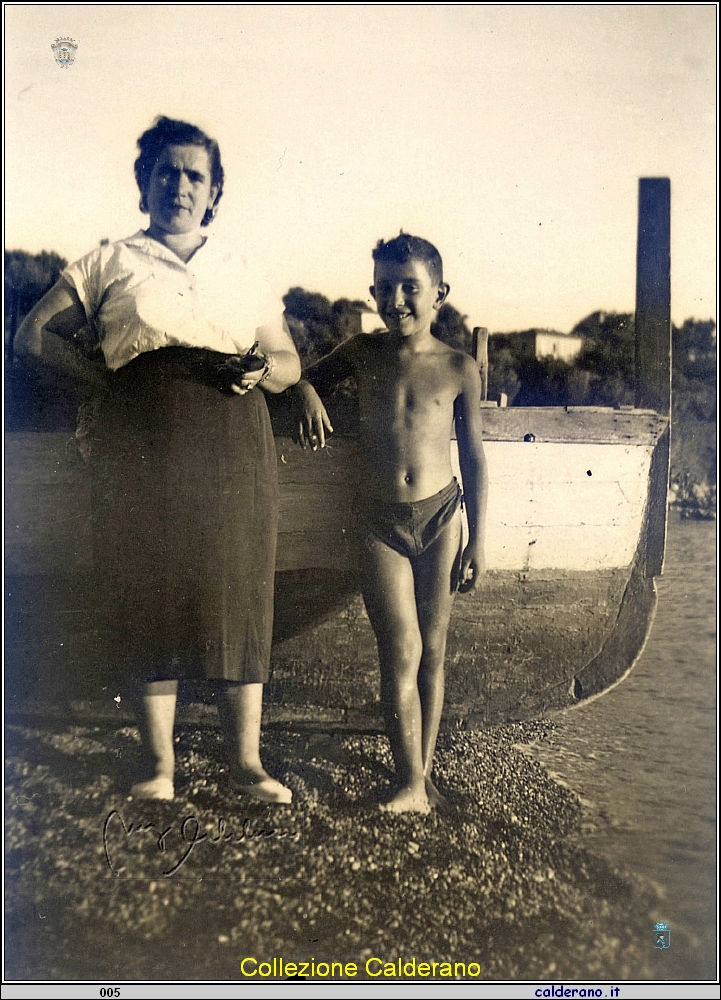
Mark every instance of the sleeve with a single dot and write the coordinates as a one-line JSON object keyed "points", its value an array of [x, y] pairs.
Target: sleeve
{"points": [[270, 308], [85, 276]]}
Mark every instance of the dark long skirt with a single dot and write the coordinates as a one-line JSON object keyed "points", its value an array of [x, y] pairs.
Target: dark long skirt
{"points": [[185, 502]]}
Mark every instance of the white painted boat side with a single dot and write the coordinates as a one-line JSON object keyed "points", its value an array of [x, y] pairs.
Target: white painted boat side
{"points": [[564, 506], [544, 509]]}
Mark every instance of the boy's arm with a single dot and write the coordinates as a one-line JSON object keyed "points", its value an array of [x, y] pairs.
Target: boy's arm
{"points": [[313, 419], [469, 433]]}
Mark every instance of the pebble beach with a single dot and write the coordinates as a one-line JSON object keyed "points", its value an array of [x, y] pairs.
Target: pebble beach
{"points": [[99, 886]]}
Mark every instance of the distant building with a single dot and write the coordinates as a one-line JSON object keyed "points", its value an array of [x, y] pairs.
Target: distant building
{"points": [[557, 345], [351, 318], [371, 321], [542, 343]]}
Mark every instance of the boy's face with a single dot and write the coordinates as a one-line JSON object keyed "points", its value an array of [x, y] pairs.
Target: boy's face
{"points": [[407, 296]]}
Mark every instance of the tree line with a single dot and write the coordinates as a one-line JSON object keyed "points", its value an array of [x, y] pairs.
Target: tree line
{"points": [[601, 375]]}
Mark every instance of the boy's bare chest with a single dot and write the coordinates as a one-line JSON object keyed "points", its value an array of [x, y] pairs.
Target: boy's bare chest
{"points": [[415, 388]]}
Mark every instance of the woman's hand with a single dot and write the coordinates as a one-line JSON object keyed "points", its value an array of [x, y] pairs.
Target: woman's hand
{"points": [[313, 420], [248, 381], [44, 338]]}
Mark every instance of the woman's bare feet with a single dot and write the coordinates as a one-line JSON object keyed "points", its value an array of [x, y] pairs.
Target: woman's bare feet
{"points": [[158, 788], [437, 801], [259, 785], [407, 799]]}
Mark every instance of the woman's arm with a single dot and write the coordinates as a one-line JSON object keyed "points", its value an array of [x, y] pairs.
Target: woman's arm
{"points": [[283, 370], [44, 336]]}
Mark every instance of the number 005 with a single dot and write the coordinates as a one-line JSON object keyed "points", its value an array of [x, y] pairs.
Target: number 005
{"points": [[111, 991]]}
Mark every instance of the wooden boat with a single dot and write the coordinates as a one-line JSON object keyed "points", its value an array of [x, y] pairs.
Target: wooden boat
{"points": [[575, 537]]}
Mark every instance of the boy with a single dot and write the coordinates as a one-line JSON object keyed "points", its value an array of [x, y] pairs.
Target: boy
{"points": [[411, 388]]}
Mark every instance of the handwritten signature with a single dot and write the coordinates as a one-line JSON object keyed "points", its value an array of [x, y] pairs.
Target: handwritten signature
{"points": [[190, 832]]}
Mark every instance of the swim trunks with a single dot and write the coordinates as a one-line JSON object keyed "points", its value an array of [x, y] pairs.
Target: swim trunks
{"points": [[410, 528]]}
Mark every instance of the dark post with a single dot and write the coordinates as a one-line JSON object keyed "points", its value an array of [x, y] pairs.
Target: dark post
{"points": [[480, 353], [653, 350], [653, 295]]}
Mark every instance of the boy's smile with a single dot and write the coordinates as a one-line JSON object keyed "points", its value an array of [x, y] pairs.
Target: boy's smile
{"points": [[407, 296]]}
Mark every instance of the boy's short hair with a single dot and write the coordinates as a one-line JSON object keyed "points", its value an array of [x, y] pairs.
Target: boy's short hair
{"points": [[405, 247]]}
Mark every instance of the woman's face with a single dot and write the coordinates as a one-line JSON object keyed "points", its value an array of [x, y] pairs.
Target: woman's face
{"points": [[179, 191]]}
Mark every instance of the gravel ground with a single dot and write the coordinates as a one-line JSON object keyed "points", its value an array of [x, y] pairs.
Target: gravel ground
{"points": [[496, 879]]}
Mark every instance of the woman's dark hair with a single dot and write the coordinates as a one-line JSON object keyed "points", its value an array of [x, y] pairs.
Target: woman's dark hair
{"points": [[169, 132]]}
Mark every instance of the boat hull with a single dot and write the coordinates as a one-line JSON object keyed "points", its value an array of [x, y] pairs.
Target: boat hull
{"points": [[560, 616]]}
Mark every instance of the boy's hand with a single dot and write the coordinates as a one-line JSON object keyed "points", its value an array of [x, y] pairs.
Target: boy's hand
{"points": [[473, 567], [314, 422]]}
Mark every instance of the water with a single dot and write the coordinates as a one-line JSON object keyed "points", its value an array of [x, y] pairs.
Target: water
{"points": [[644, 755]]}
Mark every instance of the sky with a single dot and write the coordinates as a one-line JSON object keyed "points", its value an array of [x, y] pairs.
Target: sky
{"points": [[512, 136]]}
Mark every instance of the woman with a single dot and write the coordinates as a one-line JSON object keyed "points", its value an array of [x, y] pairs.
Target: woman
{"points": [[183, 457]]}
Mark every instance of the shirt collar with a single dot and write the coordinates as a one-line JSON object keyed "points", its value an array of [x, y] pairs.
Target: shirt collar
{"points": [[154, 248]]}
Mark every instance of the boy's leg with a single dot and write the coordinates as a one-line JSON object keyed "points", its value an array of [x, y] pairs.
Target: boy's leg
{"points": [[389, 594], [156, 728], [240, 707], [435, 583]]}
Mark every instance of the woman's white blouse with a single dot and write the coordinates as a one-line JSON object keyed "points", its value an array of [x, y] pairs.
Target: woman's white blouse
{"points": [[138, 296]]}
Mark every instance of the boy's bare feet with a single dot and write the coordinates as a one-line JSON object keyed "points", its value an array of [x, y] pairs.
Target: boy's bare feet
{"points": [[260, 786], [437, 801], [407, 799], [158, 788]]}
